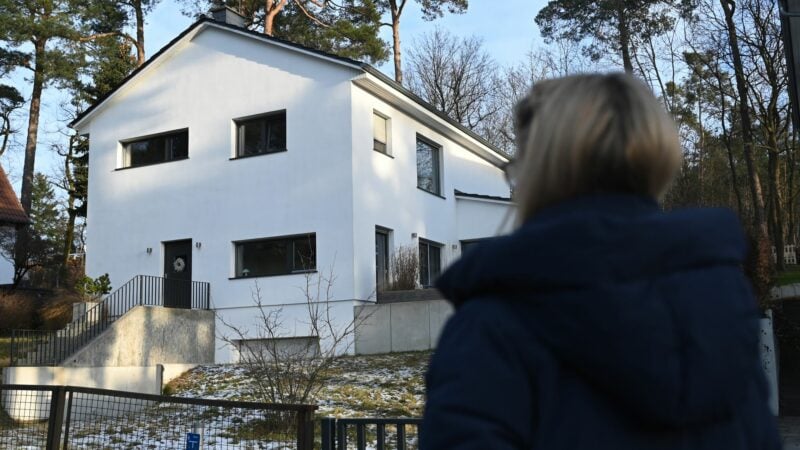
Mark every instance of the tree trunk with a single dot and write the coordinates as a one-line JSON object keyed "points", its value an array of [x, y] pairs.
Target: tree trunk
{"points": [[761, 267], [624, 38], [398, 70], [26, 197], [140, 56], [776, 213], [270, 11], [790, 205], [726, 138], [69, 234]]}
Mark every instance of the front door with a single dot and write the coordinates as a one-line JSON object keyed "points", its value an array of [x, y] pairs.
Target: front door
{"points": [[178, 274], [382, 259]]}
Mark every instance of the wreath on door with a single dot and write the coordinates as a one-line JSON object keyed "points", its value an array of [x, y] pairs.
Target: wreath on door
{"points": [[179, 264]]}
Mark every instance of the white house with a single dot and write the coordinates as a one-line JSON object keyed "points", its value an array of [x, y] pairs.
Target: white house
{"points": [[235, 158]]}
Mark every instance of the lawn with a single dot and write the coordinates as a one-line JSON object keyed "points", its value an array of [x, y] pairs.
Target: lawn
{"points": [[391, 385], [5, 350], [789, 276]]}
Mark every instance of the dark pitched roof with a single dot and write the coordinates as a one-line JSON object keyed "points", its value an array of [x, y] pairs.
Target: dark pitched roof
{"points": [[482, 197], [11, 212], [359, 64]]}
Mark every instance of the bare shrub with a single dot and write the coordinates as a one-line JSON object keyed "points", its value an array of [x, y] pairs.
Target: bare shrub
{"points": [[286, 368], [404, 268], [19, 310]]}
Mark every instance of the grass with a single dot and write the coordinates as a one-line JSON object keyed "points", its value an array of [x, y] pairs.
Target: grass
{"points": [[5, 351], [789, 276]]}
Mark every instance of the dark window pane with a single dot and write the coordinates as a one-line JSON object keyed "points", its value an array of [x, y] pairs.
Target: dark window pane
{"points": [[157, 149], [263, 258], [428, 167], [262, 135], [379, 146], [435, 256], [424, 275], [252, 138], [304, 257], [276, 127], [177, 146], [276, 256]]}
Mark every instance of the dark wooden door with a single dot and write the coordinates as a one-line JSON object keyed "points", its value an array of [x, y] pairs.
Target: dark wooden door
{"points": [[178, 274]]}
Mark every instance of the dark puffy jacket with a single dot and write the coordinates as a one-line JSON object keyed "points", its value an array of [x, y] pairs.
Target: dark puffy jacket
{"points": [[602, 323]]}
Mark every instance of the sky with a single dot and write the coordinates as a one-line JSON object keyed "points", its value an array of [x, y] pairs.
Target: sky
{"points": [[505, 26]]}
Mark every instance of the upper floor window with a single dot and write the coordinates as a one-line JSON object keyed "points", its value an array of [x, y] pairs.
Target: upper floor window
{"points": [[380, 133], [156, 149], [276, 256], [430, 262], [262, 134], [429, 166]]}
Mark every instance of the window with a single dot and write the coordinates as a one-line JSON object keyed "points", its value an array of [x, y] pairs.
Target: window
{"points": [[260, 135], [156, 149], [380, 133], [263, 350], [428, 166], [382, 258], [466, 245], [276, 256], [430, 262]]}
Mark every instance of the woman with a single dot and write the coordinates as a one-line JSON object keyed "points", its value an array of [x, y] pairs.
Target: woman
{"points": [[602, 322]]}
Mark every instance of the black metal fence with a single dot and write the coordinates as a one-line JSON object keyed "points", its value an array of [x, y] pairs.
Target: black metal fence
{"points": [[59, 417], [50, 348], [361, 434]]}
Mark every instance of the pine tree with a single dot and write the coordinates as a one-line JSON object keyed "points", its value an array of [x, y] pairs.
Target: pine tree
{"points": [[609, 24], [42, 36], [431, 10]]}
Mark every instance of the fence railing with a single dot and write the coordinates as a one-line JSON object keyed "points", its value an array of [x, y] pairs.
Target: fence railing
{"points": [[49, 348], [63, 417], [362, 433]]}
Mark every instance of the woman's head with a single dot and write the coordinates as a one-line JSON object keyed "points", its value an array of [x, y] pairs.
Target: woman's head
{"points": [[586, 134]]}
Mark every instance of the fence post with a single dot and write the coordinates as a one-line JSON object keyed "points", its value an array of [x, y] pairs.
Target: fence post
{"points": [[11, 356], [305, 430], [67, 421], [328, 428], [56, 419]]}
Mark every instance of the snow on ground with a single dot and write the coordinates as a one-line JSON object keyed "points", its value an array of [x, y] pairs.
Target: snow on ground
{"points": [[390, 385], [357, 386]]}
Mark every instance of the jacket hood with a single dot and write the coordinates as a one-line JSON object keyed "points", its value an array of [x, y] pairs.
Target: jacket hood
{"points": [[650, 308]]}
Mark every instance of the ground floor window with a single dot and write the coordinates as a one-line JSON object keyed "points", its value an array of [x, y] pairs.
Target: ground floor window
{"points": [[471, 243], [382, 258], [276, 256], [430, 262], [264, 350]]}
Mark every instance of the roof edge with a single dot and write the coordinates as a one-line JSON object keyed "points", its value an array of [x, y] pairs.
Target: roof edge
{"points": [[420, 101], [196, 26]]}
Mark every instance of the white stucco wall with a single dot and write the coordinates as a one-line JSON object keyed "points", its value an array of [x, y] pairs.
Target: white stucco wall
{"points": [[385, 190], [208, 198], [329, 182]]}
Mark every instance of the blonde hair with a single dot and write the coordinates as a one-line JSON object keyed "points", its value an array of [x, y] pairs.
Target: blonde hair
{"points": [[585, 134]]}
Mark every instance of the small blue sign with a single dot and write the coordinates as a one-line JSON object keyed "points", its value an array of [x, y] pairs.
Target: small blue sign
{"points": [[192, 441]]}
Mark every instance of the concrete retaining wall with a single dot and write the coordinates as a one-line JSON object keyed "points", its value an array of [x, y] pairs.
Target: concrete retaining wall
{"points": [[400, 327], [24, 406], [145, 380], [146, 336]]}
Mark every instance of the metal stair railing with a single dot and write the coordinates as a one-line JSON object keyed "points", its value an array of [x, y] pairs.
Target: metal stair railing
{"points": [[50, 348]]}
